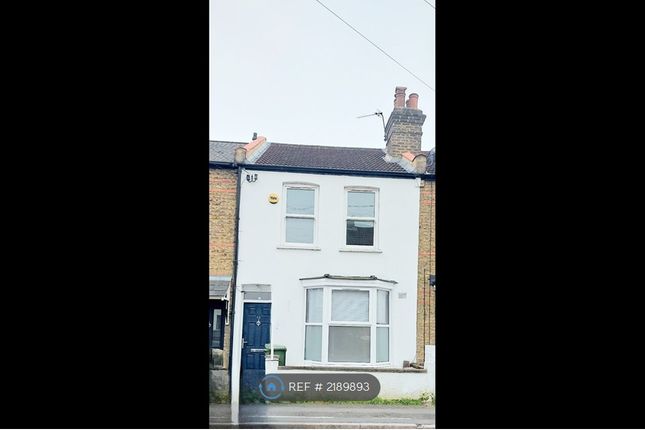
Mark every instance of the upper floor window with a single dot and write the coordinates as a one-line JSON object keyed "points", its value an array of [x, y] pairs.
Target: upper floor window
{"points": [[361, 217], [300, 214]]}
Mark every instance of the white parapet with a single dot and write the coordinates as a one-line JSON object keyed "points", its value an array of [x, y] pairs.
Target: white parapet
{"points": [[271, 363], [395, 383], [429, 365]]}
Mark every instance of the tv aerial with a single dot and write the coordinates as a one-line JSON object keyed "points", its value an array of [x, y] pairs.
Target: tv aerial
{"points": [[377, 113]]}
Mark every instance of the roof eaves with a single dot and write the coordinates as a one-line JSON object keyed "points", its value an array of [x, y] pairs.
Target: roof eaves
{"points": [[330, 171], [222, 164]]}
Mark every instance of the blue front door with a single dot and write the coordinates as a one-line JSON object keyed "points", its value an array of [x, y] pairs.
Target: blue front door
{"points": [[256, 332]]}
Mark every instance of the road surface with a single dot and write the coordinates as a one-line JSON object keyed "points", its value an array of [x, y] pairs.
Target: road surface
{"points": [[320, 415]]}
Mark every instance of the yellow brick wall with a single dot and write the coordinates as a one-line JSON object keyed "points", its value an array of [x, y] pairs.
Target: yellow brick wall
{"points": [[222, 201], [426, 267]]}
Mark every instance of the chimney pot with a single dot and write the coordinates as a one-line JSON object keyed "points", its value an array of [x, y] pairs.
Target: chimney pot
{"points": [[403, 130], [255, 136], [413, 101], [399, 97]]}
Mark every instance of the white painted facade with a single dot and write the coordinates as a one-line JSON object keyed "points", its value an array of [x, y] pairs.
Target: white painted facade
{"points": [[265, 259]]}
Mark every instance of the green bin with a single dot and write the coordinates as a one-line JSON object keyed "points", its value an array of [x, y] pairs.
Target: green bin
{"points": [[279, 350]]}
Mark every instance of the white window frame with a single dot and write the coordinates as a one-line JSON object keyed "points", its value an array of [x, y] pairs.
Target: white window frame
{"points": [[346, 217], [373, 289], [283, 244], [328, 322], [316, 324], [388, 325]]}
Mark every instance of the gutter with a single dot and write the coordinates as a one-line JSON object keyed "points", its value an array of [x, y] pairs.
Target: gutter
{"points": [[326, 171], [221, 165]]}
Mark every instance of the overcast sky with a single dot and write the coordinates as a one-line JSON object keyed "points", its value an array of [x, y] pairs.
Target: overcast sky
{"points": [[293, 72]]}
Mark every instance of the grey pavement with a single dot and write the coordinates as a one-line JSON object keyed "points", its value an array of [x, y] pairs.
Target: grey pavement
{"points": [[321, 415]]}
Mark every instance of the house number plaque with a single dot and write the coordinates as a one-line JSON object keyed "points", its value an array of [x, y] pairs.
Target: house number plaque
{"points": [[273, 198]]}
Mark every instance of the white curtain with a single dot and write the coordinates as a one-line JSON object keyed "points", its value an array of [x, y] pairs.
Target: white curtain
{"points": [[350, 305], [314, 305]]}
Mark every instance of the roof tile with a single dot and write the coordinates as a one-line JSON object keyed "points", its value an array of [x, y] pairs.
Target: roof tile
{"points": [[328, 157], [317, 156]]}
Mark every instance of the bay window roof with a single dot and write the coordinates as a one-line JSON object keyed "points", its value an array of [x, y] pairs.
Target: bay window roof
{"points": [[349, 278]]}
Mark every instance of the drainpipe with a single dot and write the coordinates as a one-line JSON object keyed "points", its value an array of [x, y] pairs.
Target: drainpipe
{"points": [[234, 283], [424, 312]]}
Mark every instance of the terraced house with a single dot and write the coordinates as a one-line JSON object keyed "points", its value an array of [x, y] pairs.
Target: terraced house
{"points": [[327, 255], [223, 204]]}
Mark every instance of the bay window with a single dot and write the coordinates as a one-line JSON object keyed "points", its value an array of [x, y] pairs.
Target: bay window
{"points": [[347, 325]]}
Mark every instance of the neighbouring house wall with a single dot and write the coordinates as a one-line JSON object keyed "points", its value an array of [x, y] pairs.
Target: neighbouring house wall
{"points": [[219, 383], [426, 267], [222, 198], [261, 261], [222, 202]]}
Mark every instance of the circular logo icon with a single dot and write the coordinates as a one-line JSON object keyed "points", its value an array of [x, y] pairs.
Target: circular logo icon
{"points": [[271, 387], [273, 198]]}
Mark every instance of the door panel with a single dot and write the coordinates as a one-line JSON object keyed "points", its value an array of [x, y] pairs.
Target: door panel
{"points": [[256, 331]]}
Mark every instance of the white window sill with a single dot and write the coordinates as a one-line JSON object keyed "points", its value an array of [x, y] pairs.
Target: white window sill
{"points": [[344, 364], [353, 368], [360, 249], [305, 247]]}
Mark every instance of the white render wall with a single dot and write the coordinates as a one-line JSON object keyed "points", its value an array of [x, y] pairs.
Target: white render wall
{"points": [[262, 262], [394, 385]]}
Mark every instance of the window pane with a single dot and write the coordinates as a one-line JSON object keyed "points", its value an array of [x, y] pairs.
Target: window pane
{"points": [[360, 203], [217, 316], [360, 233], [217, 329], [257, 295], [300, 230], [350, 344], [350, 305], [314, 305], [313, 342], [382, 344], [382, 307], [300, 201]]}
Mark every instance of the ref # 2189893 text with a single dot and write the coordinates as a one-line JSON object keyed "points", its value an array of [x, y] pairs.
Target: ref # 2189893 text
{"points": [[319, 386]]}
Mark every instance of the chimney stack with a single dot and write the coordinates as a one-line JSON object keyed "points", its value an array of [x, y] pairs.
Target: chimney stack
{"points": [[240, 155], [403, 130], [244, 153]]}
